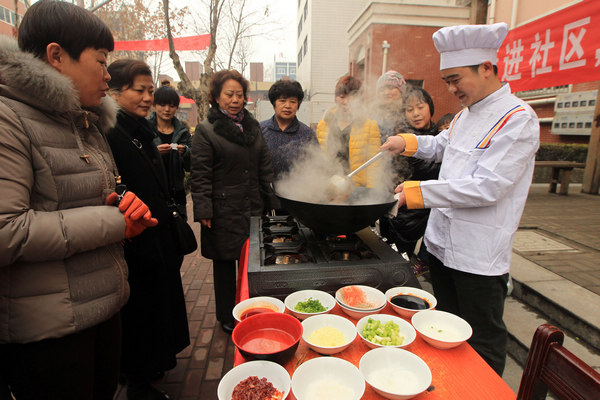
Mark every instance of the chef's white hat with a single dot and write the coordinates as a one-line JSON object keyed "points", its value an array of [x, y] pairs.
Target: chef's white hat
{"points": [[464, 45]]}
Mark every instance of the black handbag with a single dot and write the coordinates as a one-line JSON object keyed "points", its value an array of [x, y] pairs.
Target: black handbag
{"points": [[184, 235]]}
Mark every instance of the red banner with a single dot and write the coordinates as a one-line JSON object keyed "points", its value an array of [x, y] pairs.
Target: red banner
{"points": [[558, 49], [199, 42]]}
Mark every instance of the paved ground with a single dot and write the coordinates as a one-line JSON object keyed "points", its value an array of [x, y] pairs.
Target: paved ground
{"points": [[560, 233]]}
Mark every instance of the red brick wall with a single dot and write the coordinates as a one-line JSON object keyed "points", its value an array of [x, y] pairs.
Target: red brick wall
{"points": [[411, 53]]}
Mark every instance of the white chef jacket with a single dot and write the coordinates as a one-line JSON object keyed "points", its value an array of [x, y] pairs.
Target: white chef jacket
{"points": [[488, 156]]}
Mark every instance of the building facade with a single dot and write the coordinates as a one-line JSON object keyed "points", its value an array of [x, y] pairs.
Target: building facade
{"points": [[322, 47], [8, 17], [396, 35], [285, 69]]}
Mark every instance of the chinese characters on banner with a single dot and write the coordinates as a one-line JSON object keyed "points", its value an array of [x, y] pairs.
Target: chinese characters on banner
{"points": [[559, 49]]}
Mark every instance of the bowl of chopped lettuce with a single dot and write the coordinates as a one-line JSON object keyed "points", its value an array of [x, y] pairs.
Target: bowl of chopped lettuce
{"points": [[306, 303], [385, 330], [328, 333]]}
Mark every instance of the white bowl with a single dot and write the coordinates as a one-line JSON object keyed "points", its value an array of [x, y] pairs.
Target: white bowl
{"points": [[293, 299], [313, 379], [356, 314], [257, 302], [372, 296], [408, 312], [342, 324], [275, 373], [441, 329], [406, 329], [395, 373]]}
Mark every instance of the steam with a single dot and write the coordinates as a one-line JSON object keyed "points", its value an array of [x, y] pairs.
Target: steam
{"points": [[308, 180]]}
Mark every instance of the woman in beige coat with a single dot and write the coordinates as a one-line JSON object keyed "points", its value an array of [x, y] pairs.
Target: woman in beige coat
{"points": [[63, 278]]}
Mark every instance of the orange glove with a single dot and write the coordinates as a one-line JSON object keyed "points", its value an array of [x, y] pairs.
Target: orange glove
{"points": [[136, 213]]}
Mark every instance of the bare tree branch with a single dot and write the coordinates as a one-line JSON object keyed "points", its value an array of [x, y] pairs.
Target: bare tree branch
{"points": [[93, 7]]}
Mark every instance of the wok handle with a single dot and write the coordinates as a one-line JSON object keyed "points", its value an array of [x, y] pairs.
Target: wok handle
{"points": [[369, 162]]}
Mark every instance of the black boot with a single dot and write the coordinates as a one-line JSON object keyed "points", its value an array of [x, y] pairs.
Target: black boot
{"points": [[139, 388], [227, 327]]}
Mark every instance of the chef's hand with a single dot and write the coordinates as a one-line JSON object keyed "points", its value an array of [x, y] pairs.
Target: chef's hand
{"points": [[164, 148], [180, 148], [395, 144], [402, 197], [136, 213], [206, 222]]}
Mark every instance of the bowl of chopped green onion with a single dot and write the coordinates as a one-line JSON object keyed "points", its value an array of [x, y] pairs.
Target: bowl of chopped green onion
{"points": [[385, 330], [305, 303]]}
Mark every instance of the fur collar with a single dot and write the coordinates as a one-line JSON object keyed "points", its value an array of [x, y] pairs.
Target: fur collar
{"points": [[34, 82], [224, 126]]}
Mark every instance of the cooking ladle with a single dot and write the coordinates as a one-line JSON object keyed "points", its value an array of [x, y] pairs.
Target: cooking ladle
{"points": [[340, 187]]}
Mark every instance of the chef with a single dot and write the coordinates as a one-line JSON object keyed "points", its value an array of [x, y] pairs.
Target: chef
{"points": [[487, 157]]}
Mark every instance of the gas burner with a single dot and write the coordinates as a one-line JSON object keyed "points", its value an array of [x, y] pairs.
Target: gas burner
{"points": [[278, 221], [282, 237], [342, 255], [285, 258]]}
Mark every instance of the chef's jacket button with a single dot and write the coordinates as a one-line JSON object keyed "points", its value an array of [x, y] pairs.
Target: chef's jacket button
{"points": [[245, 171], [246, 198]]}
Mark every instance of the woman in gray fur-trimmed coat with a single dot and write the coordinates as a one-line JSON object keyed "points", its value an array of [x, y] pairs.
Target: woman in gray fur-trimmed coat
{"points": [[231, 181], [63, 278]]}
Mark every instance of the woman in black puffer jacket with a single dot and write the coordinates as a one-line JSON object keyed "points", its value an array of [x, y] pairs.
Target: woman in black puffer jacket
{"points": [[408, 226], [231, 181]]}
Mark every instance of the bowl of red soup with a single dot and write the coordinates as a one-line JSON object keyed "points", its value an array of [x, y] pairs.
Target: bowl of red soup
{"points": [[257, 305], [406, 300], [269, 336]]}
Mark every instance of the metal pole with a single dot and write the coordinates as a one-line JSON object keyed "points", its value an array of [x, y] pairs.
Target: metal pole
{"points": [[385, 46]]}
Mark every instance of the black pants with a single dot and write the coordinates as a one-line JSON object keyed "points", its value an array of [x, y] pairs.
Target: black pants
{"points": [[479, 300], [81, 366], [224, 275]]}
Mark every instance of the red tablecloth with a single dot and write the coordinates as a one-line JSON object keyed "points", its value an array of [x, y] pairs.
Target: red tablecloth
{"points": [[458, 373]]}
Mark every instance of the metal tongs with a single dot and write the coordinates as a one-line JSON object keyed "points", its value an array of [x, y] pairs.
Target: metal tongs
{"points": [[340, 187]]}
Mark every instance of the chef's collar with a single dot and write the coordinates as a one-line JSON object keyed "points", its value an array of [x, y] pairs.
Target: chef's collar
{"points": [[490, 98]]}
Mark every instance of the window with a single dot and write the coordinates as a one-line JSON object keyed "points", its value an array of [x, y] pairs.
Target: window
{"points": [[588, 124], [2, 14], [575, 104], [567, 104], [281, 70], [592, 103], [557, 125], [580, 125], [563, 125], [305, 10], [299, 27], [583, 103], [300, 56], [305, 45], [292, 70], [560, 105]]}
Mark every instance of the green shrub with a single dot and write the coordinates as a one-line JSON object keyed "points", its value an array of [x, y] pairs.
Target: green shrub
{"points": [[559, 152]]}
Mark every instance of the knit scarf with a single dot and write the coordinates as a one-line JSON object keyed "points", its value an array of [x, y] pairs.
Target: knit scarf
{"points": [[236, 118]]}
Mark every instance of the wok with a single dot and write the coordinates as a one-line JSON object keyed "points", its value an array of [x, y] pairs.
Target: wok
{"points": [[336, 218]]}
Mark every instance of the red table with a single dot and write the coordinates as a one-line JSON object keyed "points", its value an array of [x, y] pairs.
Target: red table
{"points": [[458, 373]]}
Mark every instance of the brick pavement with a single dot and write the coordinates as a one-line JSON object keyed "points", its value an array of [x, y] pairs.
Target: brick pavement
{"points": [[210, 355], [573, 220]]}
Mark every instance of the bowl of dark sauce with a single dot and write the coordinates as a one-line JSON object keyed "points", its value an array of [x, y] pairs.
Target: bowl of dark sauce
{"points": [[406, 301]]}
